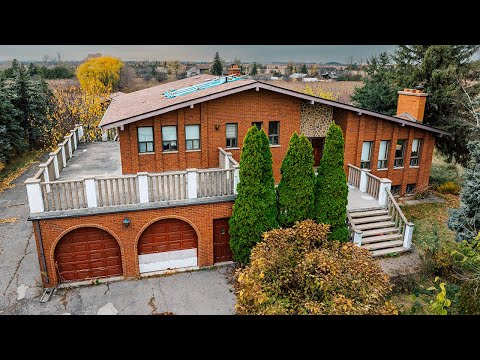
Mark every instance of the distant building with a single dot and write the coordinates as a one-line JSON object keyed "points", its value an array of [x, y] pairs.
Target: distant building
{"points": [[309, 79], [234, 70], [198, 69], [297, 76], [90, 56]]}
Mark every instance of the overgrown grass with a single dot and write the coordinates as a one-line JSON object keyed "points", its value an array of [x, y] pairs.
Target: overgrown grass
{"points": [[443, 171], [16, 168]]}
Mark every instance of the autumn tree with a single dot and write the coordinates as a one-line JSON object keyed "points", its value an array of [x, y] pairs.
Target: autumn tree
{"points": [[319, 92], [99, 75], [331, 190], [313, 69], [217, 67], [254, 210], [296, 188]]}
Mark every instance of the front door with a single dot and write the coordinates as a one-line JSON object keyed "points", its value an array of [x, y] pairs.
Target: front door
{"points": [[221, 241], [317, 144]]}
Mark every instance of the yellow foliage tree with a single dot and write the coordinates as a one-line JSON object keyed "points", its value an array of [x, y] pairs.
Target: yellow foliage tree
{"points": [[319, 92], [99, 75]]}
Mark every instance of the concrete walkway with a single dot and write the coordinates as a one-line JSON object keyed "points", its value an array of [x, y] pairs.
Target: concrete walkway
{"points": [[199, 292], [359, 200], [94, 159]]}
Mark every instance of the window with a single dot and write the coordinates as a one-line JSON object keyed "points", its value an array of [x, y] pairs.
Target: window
{"points": [[395, 190], [415, 152], [258, 125], [273, 132], [399, 152], [192, 137], [383, 155], [366, 152], [169, 138], [145, 139], [410, 188], [232, 135]]}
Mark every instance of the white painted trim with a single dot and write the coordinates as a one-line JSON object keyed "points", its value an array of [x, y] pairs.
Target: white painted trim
{"points": [[236, 178], [143, 187], [74, 136], [407, 235], [55, 165], [192, 183], [64, 157], [46, 177], [169, 260], [104, 136], [363, 180], [91, 192], [69, 144], [357, 238], [382, 192], [34, 194]]}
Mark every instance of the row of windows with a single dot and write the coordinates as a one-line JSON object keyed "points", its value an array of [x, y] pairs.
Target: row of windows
{"points": [[192, 136], [395, 190], [383, 150]]}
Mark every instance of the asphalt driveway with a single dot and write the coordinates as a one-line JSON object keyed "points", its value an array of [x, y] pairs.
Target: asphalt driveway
{"points": [[198, 292]]}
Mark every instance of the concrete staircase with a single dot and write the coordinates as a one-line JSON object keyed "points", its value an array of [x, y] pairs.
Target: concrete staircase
{"points": [[379, 233]]}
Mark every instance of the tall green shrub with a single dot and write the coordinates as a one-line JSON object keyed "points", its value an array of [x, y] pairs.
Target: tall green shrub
{"points": [[331, 190], [254, 211], [296, 189], [466, 220]]}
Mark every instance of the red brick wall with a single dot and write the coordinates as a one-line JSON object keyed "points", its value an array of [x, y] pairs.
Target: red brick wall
{"points": [[360, 128], [199, 216], [243, 108]]}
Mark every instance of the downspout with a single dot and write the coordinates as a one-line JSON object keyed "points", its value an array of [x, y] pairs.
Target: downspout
{"points": [[42, 253]]}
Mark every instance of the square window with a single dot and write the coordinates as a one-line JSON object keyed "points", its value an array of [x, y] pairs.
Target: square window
{"points": [[232, 135], [395, 190], [169, 138], [410, 188], [258, 124], [192, 137], [145, 139]]}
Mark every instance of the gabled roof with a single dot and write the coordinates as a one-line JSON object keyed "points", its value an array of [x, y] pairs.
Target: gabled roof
{"points": [[149, 102]]}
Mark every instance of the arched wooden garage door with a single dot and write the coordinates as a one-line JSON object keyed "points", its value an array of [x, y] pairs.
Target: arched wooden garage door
{"points": [[167, 244], [87, 253]]}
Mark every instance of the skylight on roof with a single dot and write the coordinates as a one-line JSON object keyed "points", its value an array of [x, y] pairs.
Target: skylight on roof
{"points": [[205, 85]]}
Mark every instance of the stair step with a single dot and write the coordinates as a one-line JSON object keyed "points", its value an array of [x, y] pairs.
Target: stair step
{"points": [[398, 249], [383, 245], [358, 214], [386, 231], [377, 225], [365, 220], [381, 238]]}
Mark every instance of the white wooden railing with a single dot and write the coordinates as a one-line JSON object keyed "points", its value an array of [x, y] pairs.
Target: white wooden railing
{"points": [[226, 161], [401, 222], [373, 185], [93, 192], [354, 175]]}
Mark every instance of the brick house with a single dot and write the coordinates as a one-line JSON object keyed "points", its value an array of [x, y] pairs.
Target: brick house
{"points": [[167, 204]]}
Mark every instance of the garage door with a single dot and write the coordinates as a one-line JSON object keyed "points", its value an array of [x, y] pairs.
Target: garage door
{"points": [[87, 253], [167, 244]]}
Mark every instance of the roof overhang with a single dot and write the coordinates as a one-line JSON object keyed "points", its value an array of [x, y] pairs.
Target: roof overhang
{"points": [[261, 85]]}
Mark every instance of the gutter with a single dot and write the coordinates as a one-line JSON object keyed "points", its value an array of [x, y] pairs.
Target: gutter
{"points": [[42, 253]]}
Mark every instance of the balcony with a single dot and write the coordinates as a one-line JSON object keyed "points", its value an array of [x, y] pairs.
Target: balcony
{"points": [[86, 178]]}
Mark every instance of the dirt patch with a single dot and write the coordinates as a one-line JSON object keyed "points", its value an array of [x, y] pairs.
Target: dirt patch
{"points": [[9, 220], [404, 264]]}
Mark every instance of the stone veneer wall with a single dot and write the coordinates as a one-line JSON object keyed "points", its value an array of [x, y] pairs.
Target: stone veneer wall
{"points": [[315, 119]]}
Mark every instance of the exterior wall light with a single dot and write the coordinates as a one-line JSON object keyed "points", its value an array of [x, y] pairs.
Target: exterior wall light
{"points": [[217, 126], [126, 222]]}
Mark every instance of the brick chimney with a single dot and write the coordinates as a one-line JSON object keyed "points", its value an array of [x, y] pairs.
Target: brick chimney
{"points": [[412, 101]]}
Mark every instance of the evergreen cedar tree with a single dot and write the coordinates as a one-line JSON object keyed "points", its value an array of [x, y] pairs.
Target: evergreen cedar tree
{"points": [[254, 70], [466, 219], [296, 188], [331, 190], [254, 210], [217, 67]]}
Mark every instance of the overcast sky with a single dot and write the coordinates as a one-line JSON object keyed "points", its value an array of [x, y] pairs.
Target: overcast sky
{"points": [[260, 53]]}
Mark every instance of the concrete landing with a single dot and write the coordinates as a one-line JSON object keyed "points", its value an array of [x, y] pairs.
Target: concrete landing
{"points": [[359, 200]]}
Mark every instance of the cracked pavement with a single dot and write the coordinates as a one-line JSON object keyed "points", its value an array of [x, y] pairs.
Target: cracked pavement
{"points": [[199, 292]]}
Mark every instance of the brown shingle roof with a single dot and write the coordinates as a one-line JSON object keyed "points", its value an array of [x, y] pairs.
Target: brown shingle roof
{"points": [[151, 99]]}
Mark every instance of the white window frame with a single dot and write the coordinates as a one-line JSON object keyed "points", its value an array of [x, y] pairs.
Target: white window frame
{"points": [[366, 164]]}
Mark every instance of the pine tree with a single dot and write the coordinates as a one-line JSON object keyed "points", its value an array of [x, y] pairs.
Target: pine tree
{"points": [[217, 68], [12, 139], [296, 188], [254, 211], [466, 220], [331, 190], [254, 70], [304, 69]]}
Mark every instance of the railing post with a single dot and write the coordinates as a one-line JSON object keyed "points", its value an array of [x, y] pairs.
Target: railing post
{"points": [[46, 176], [55, 164], [104, 136], [143, 187], [91, 192], [357, 238], [382, 193], [363, 180], [34, 193], [236, 178], [64, 157], [74, 136], [80, 131], [69, 144], [407, 235], [192, 183]]}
